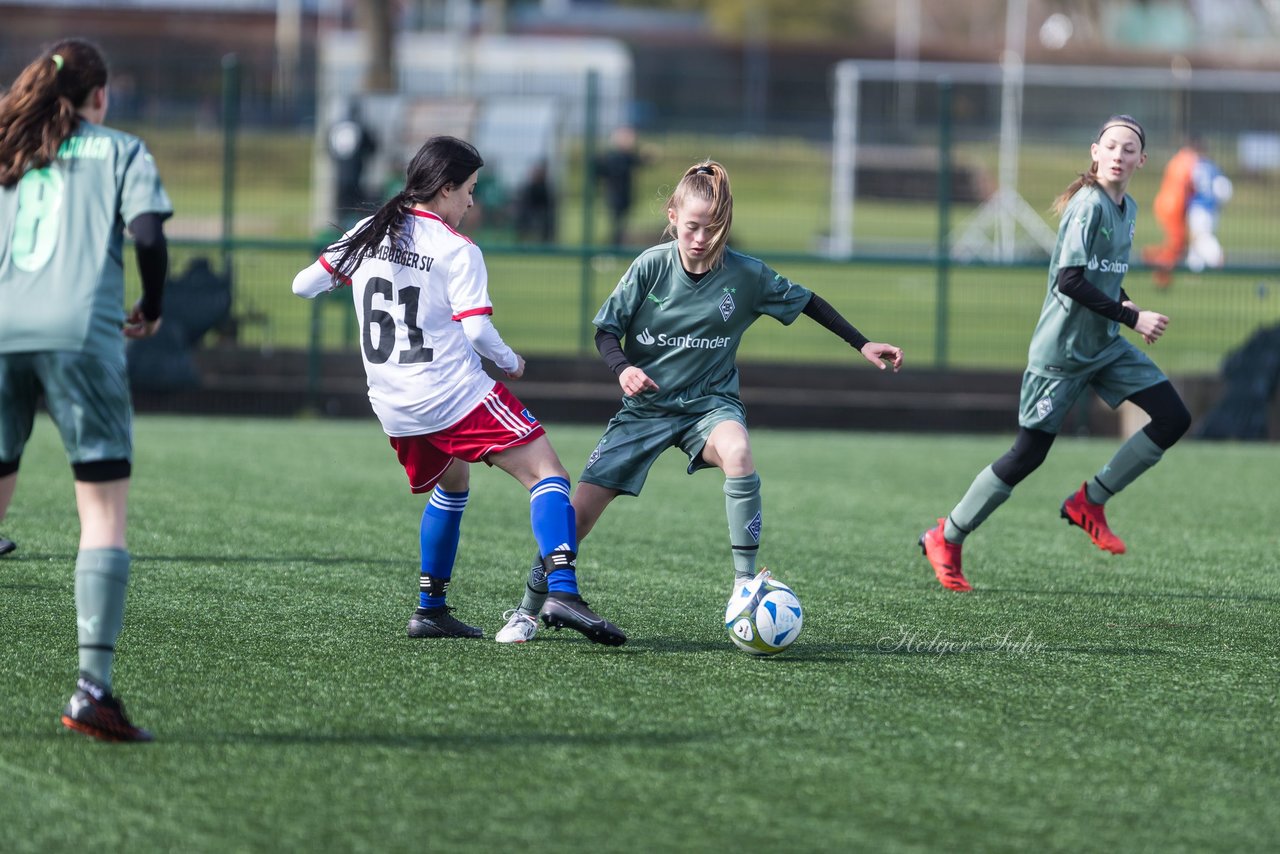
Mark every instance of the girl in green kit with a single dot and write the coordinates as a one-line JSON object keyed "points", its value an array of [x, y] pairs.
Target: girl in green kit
{"points": [[1076, 346], [683, 308], [68, 189]]}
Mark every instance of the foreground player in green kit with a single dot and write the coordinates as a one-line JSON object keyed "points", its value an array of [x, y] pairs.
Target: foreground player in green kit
{"points": [[68, 188], [683, 308], [1076, 346]]}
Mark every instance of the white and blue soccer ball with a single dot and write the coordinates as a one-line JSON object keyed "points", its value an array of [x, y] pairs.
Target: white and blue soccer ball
{"points": [[764, 616]]}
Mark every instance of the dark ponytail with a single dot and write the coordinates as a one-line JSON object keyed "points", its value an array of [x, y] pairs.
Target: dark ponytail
{"points": [[443, 161], [39, 112]]}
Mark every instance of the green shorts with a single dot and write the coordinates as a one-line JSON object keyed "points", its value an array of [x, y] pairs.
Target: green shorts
{"points": [[1045, 400], [632, 443], [87, 397]]}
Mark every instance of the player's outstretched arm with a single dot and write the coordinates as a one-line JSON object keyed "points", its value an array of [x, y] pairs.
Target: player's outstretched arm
{"points": [[878, 354], [882, 355], [313, 281]]}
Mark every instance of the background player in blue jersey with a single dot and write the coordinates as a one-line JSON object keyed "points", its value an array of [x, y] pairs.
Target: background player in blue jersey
{"points": [[68, 187], [1076, 346], [682, 308], [1210, 190]]}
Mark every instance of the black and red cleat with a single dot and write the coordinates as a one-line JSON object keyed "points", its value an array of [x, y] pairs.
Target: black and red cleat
{"points": [[94, 711], [1078, 510]]}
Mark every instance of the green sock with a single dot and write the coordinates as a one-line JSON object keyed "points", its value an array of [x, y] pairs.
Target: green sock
{"points": [[535, 589], [742, 506], [1135, 456], [102, 576], [986, 493]]}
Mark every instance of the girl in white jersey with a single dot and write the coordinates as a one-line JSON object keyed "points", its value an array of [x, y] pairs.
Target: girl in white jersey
{"points": [[422, 301], [68, 189], [1076, 346]]}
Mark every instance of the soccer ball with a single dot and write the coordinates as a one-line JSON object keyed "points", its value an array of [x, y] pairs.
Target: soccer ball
{"points": [[764, 616]]}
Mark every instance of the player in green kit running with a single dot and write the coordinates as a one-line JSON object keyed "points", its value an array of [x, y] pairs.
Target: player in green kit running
{"points": [[1076, 346], [683, 308], [68, 188]]}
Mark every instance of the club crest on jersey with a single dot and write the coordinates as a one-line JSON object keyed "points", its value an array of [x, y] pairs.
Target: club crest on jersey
{"points": [[753, 527], [1133, 226], [727, 305], [1044, 406], [595, 455]]}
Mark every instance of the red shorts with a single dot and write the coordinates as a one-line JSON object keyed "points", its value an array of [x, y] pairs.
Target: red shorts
{"points": [[501, 421]]}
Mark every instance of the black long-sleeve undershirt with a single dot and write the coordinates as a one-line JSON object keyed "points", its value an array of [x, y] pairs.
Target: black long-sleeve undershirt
{"points": [[1072, 283], [152, 251], [827, 316], [610, 346]]}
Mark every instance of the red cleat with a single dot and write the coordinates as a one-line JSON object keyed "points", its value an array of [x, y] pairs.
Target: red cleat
{"points": [[1078, 510], [944, 557]]}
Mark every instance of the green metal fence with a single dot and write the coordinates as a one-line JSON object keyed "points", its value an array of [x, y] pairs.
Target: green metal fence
{"points": [[244, 197], [544, 300]]}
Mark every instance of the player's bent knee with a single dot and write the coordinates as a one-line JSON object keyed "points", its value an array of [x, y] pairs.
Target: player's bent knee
{"points": [[731, 452], [1171, 426], [1030, 448]]}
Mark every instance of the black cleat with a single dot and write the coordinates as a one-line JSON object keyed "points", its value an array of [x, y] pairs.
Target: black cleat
{"points": [[439, 623], [93, 711], [569, 611], [7, 545]]}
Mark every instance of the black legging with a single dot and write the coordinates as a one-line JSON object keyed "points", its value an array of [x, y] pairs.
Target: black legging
{"points": [[1169, 420], [1169, 416]]}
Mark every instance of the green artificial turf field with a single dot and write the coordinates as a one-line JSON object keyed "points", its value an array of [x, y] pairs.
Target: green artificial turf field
{"points": [[1074, 701]]}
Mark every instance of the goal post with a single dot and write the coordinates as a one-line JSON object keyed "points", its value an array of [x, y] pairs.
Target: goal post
{"points": [[1054, 107]]}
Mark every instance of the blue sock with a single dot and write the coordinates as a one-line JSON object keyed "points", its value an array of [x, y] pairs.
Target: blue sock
{"points": [[556, 530], [438, 537]]}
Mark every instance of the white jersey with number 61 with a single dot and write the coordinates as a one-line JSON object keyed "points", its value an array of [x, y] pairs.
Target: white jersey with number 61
{"points": [[423, 370]]}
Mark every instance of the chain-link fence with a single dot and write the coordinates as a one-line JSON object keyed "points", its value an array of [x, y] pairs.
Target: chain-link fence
{"points": [[249, 169]]}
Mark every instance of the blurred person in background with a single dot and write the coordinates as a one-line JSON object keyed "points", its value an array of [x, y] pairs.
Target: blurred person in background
{"points": [[68, 189], [616, 170], [1170, 211], [1210, 190], [351, 144], [1076, 346], [535, 207]]}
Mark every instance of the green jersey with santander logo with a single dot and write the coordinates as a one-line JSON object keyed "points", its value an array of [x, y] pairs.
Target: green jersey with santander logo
{"points": [[1095, 233], [685, 334]]}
